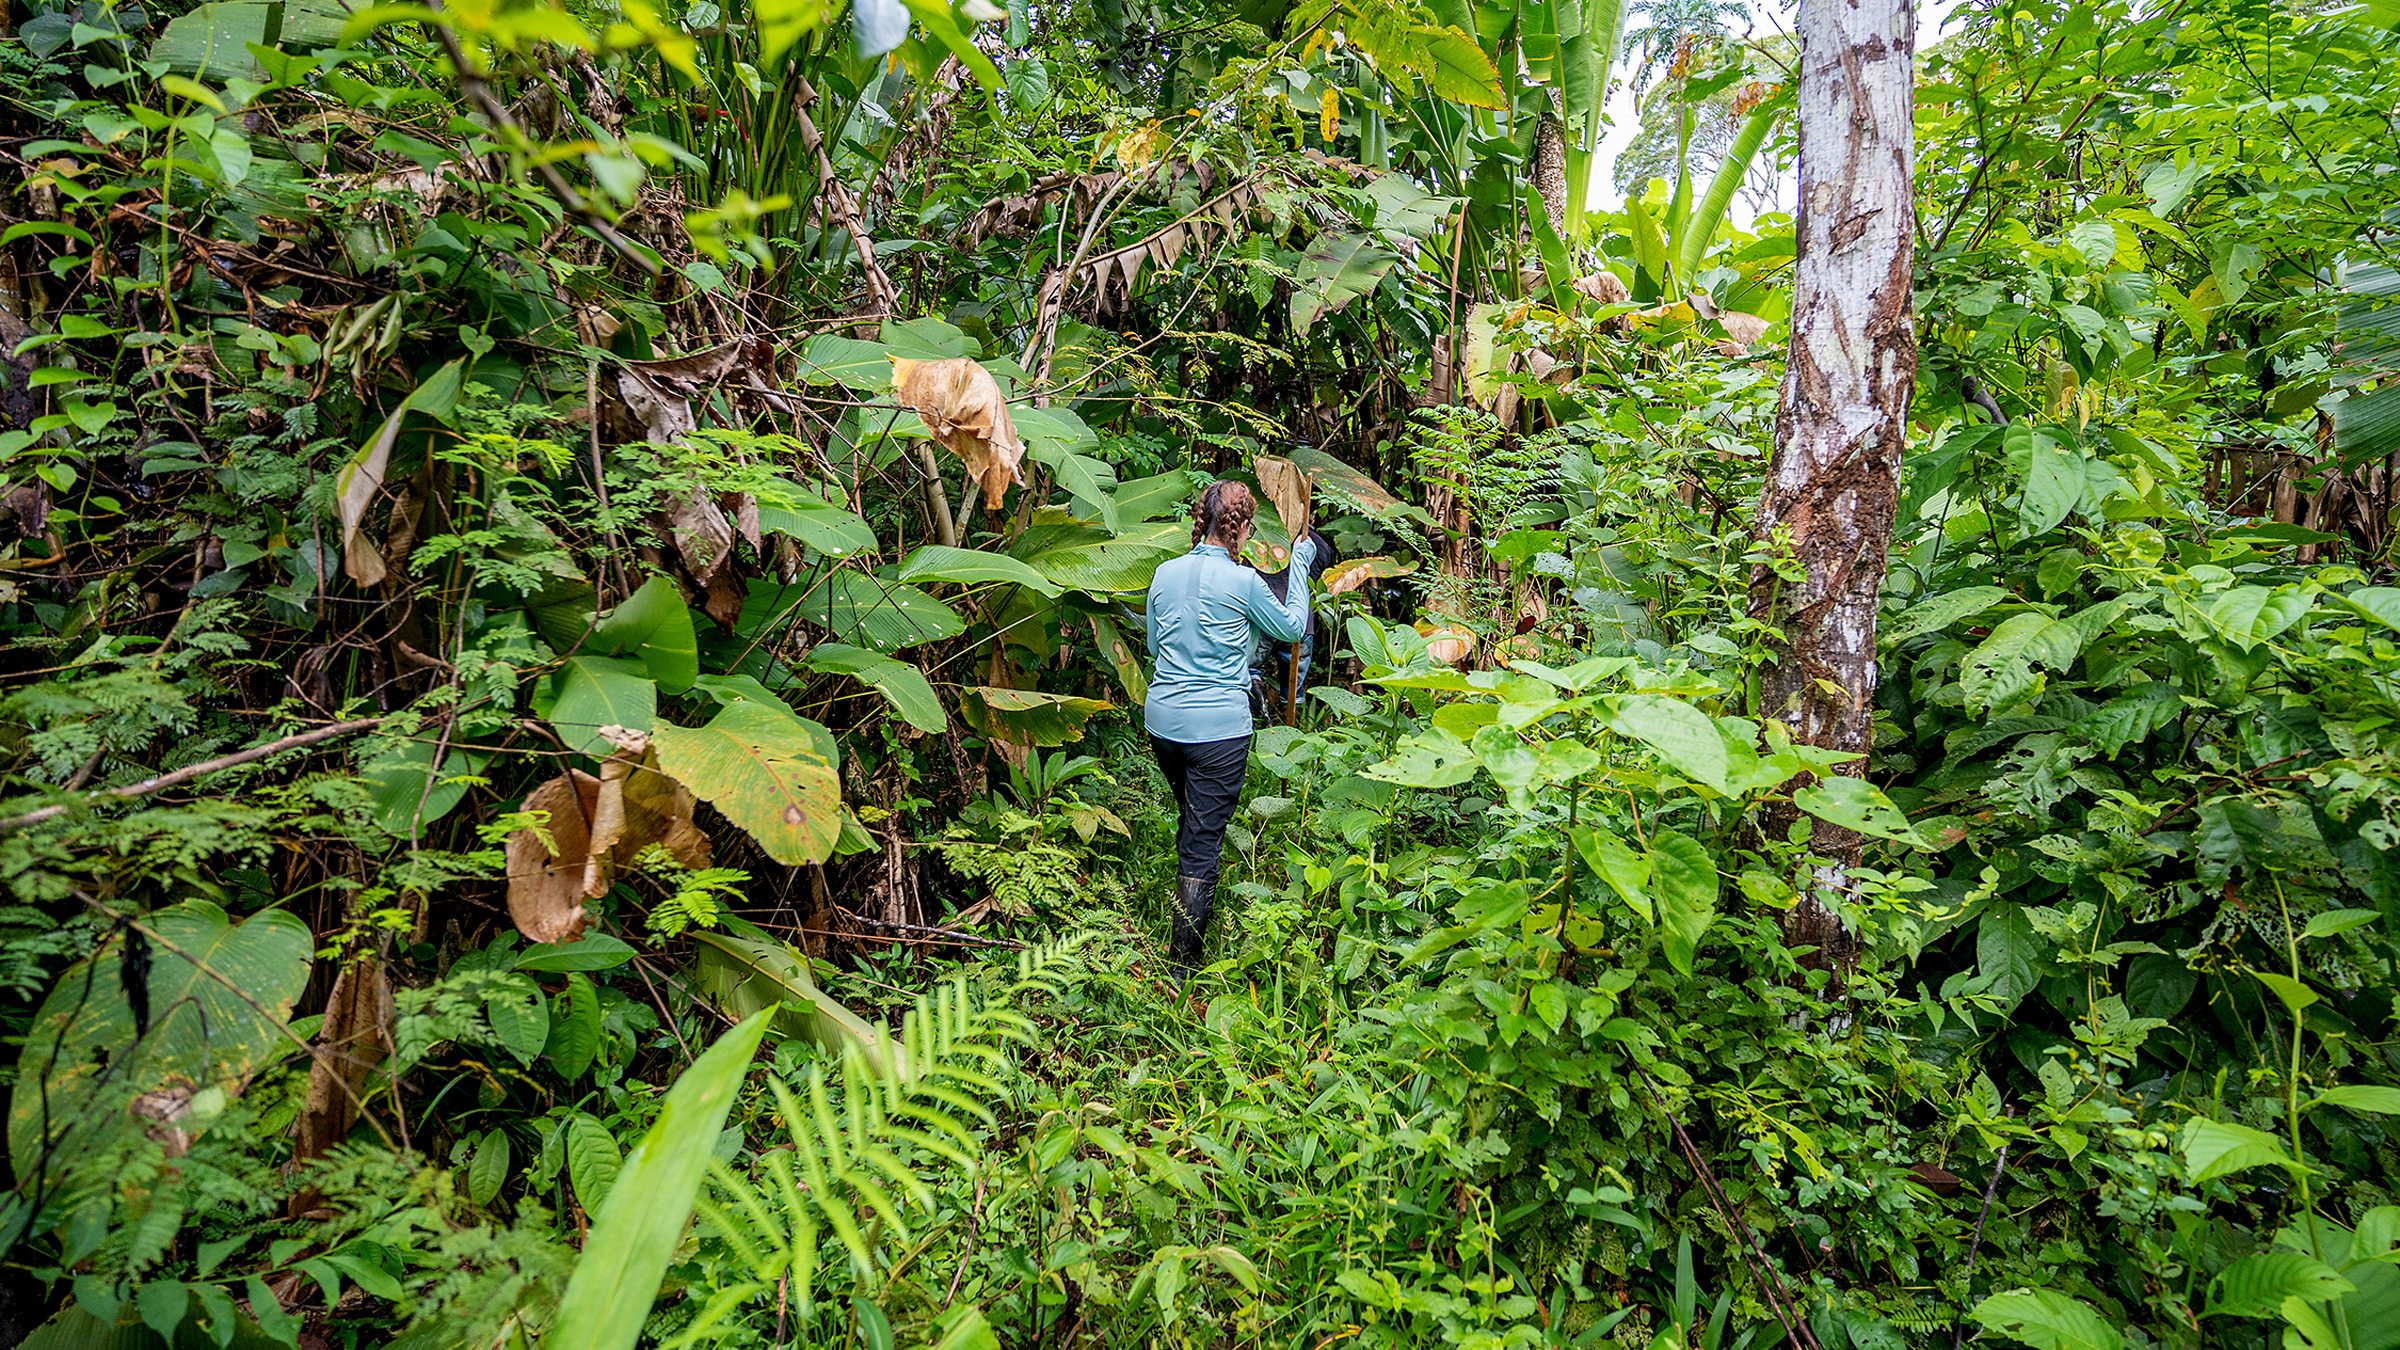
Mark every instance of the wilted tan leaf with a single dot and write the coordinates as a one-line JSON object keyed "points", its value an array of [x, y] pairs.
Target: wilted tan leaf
{"points": [[351, 1041], [1604, 287], [639, 805], [360, 479], [962, 406], [1743, 328], [546, 888], [1349, 576], [1449, 643], [1288, 486]]}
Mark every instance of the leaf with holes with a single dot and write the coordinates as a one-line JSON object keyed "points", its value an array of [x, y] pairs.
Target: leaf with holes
{"points": [[218, 1003], [1857, 805]]}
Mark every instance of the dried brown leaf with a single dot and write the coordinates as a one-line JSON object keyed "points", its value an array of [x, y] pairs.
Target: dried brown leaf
{"points": [[962, 406], [354, 1037], [546, 888], [1287, 485], [1603, 287], [638, 805], [1742, 328]]}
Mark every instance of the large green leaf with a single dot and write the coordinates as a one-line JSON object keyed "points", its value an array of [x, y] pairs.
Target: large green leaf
{"points": [[2250, 615], [1685, 737], [1146, 499], [899, 682], [2000, 669], [219, 996], [635, 1234], [1856, 804], [1433, 759], [1731, 171], [768, 772], [885, 615], [2047, 1321], [213, 41], [1091, 482], [865, 367], [398, 784], [1337, 269], [1459, 70], [654, 624], [1083, 558], [587, 693], [938, 562], [1121, 656], [2216, 1148], [743, 975], [1683, 879], [1935, 613], [2007, 953], [809, 516], [2257, 1285], [1626, 872]]}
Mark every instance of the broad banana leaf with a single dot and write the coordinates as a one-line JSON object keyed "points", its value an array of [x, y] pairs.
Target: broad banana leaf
{"points": [[634, 1235], [217, 1003], [1339, 268], [869, 611], [1026, 717], [769, 771], [902, 684], [744, 976], [1710, 213], [2366, 425]]}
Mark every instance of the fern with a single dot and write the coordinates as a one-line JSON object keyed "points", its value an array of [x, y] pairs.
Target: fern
{"points": [[843, 1123]]}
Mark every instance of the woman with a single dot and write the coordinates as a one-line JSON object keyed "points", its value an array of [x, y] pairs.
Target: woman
{"points": [[1207, 611]]}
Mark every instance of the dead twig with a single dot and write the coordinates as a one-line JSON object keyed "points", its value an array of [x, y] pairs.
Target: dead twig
{"points": [[192, 771]]}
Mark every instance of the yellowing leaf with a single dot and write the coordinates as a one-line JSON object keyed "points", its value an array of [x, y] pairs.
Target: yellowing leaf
{"points": [[545, 885], [768, 771], [1329, 114]]}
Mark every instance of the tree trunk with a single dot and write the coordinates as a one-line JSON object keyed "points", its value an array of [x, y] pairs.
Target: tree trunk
{"points": [[1833, 486]]}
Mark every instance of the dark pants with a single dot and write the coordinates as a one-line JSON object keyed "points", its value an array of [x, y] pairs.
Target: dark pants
{"points": [[1207, 779]]}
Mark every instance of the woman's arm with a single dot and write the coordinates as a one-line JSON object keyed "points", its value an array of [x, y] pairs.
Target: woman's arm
{"points": [[1286, 619]]}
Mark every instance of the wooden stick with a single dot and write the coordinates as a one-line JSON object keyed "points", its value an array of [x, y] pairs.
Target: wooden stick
{"points": [[199, 770]]}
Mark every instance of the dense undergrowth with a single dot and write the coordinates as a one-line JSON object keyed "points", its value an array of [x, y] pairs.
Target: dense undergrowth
{"points": [[707, 883]]}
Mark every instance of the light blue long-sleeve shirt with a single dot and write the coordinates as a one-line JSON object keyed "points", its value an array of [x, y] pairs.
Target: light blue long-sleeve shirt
{"points": [[1207, 613]]}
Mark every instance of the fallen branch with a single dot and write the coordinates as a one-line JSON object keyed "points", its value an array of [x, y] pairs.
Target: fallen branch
{"points": [[192, 771]]}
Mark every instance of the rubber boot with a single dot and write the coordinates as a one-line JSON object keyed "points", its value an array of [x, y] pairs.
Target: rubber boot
{"points": [[1194, 897]]}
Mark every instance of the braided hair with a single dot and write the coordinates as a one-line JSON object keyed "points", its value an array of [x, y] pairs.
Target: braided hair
{"points": [[1224, 514]]}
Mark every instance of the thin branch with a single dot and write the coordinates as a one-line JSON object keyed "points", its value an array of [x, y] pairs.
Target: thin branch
{"points": [[192, 771]]}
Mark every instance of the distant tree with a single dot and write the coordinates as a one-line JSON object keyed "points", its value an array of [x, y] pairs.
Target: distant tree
{"points": [[1651, 153], [1674, 28]]}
